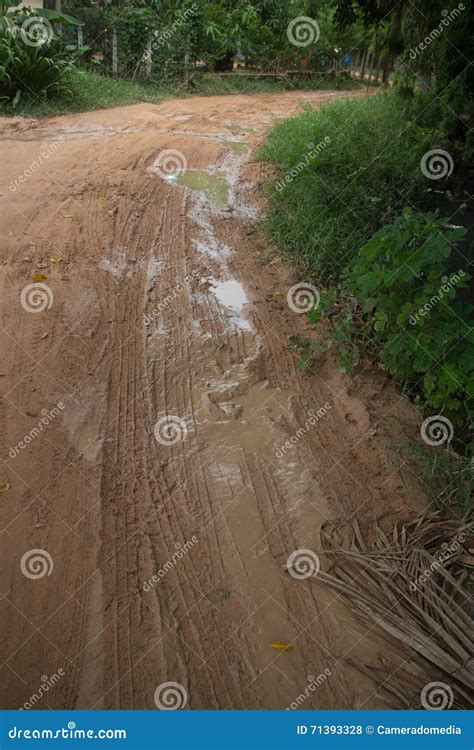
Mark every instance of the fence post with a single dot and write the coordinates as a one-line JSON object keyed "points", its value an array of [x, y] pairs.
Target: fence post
{"points": [[377, 70], [370, 66], [387, 69], [80, 37], [186, 67], [362, 68], [354, 67], [114, 52], [148, 56]]}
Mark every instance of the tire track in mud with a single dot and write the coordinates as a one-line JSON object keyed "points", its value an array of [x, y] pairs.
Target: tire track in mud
{"points": [[163, 307]]}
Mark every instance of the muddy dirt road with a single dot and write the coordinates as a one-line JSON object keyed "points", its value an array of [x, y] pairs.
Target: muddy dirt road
{"points": [[164, 456]]}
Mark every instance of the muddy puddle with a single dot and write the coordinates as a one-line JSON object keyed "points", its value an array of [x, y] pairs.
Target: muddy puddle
{"points": [[215, 188], [237, 147], [231, 296]]}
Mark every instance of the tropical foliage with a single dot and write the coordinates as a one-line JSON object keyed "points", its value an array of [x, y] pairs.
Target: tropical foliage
{"points": [[33, 58]]}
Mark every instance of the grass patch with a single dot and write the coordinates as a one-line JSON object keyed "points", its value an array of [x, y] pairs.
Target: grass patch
{"points": [[325, 206], [243, 84], [446, 476], [351, 206], [90, 91]]}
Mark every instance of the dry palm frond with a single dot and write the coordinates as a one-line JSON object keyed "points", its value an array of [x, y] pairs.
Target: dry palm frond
{"points": [[412, 585]]}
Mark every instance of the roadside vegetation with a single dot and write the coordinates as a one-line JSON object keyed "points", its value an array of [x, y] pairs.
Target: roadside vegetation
{"points": [[87, 91], [379, 222], [84, 90], [103, 54]]}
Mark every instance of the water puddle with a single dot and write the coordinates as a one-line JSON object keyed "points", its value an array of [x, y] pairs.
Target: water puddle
{"points": [[236, 146], [215, 188], [73, 133], [236, 128], [231, 295]]}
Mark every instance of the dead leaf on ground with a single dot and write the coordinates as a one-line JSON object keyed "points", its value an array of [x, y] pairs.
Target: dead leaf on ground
{"points": [[281, 646]]}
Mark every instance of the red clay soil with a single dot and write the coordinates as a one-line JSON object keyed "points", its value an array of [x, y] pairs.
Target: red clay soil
{"points": [[182, 456]]}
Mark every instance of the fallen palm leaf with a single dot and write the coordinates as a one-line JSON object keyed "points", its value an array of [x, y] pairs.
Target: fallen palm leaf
{"points": [[410, 585]]}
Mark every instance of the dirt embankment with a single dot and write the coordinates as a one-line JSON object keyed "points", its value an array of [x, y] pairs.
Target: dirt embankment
{"points": [[179, 440]]}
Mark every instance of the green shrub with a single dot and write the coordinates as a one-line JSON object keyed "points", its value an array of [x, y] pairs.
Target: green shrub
{"points": [[447, 477], [400, 300], [32, 69], [361, 181]]}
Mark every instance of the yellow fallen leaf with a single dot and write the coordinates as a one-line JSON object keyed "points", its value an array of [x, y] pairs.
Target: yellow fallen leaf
{"points": [[55, 260], [4, 487], [280, 646], [68, 216], [101, 198], [39, 277]]}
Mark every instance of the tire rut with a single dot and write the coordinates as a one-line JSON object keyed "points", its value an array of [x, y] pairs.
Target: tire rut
{"points": [[187, 464]]}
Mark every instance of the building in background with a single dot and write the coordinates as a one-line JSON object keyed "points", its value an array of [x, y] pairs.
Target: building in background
{"points": [[50, 4]]}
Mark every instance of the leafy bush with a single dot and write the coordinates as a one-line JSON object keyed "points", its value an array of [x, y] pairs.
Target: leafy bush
{"points": [[33, 60], [31, 70], [369, 171], [399, 299]]}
